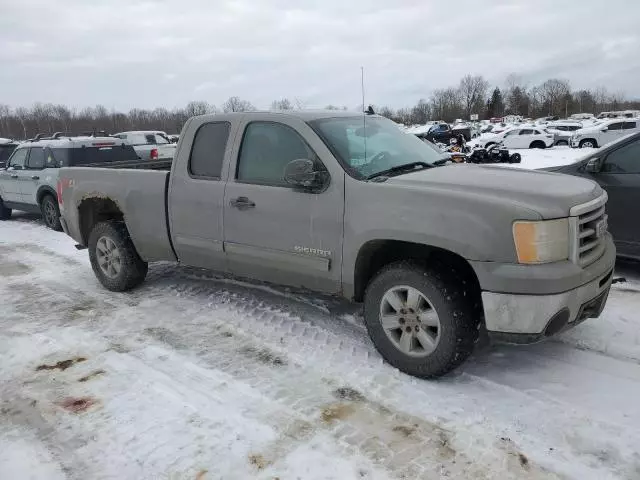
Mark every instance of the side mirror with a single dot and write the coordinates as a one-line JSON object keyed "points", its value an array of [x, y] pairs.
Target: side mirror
{"points": [[593, 165], [604, 130], [302, 173]]}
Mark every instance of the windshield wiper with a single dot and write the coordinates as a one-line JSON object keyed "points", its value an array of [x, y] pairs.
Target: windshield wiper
{"points": [[400, 169]]}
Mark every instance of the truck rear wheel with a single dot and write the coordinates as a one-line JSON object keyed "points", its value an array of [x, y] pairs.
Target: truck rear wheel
{"points": [[420, 319], [113, 257], [51, 213]]}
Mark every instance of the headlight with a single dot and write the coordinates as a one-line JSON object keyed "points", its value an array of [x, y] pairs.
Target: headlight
{"points": [[541, 242]]}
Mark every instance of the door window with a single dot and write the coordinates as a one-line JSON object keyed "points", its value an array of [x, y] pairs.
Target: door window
{"points": [[526, 131], [615, 126], [207, 153], [624, 160], [18, 158], [266, 150], [512, 132], [36, 159], [629, 125]]}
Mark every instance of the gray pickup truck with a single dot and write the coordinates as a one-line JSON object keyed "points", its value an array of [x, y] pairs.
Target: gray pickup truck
{"points": [[350, 205]]}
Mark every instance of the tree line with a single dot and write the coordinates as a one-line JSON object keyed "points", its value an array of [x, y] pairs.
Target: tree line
{"points": [[472, 95]]}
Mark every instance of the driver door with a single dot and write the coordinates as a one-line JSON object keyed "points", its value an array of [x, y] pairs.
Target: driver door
{"points": [[273, 232], [510, 139], [10, 189]]}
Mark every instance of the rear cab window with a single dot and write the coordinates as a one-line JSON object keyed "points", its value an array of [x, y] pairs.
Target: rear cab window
{"points": [[208, 149]]}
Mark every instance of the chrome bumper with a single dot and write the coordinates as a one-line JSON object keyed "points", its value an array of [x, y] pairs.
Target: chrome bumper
{"points": [[530, 318]]}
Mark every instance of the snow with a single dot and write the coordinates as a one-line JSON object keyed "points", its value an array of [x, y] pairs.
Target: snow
{"points": [[198, 376]]}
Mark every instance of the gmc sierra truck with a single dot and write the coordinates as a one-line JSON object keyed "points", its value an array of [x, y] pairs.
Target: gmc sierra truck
{"points": [[349, 205]]}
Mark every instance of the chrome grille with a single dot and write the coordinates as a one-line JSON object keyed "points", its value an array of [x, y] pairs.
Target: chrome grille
{"points": [[589, 224]]}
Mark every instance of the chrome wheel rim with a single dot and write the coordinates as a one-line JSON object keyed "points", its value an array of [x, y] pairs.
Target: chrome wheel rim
{"points": [[587, 144], [108, 256], [410, 321], [49, 213]]}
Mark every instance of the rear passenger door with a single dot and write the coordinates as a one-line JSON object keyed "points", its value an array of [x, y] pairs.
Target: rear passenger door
{"points": [[274, 232], [10, 177], [196, 195], [32, 176], [612, 132]]}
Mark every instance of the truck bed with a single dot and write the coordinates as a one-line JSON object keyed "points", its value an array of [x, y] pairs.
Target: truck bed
{"points": [[140, 193]]}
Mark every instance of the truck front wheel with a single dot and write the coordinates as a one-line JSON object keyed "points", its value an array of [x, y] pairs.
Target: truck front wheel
{"points": [[420, 319], [113, 257]]}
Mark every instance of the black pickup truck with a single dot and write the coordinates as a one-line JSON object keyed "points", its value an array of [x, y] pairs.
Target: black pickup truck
{"points": [[443, 133]]}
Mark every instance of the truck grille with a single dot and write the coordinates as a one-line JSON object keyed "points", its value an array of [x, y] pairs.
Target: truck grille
{"points": [[589, 222]]}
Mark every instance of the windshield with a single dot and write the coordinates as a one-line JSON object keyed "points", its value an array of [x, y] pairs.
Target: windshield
{"points": [[370, 145]]}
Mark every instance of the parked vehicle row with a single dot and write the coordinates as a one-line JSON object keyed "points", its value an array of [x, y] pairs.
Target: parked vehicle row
{"points": [[352, 206], [527, 137]]}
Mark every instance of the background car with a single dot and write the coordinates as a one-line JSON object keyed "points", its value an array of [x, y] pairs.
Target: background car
{"points": [[563, 131], [519, 137], [149, 145], [602, 133], [6, 149], [616, 168], [29, 180]]}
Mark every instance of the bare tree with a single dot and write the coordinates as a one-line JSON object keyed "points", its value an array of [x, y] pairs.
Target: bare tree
{"points": [[236, 104], [283, 104], [553, 92], [473, 92], [421, 113], [446, 104]]}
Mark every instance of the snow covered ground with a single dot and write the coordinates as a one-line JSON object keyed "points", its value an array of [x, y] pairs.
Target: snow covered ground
{"points": [[194, 376]]}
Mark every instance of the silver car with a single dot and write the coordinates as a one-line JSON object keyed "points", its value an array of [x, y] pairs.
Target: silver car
{"points": [[29, 180]]}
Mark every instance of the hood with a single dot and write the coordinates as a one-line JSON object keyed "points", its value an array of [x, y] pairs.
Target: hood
{"points": [[549, 194]]}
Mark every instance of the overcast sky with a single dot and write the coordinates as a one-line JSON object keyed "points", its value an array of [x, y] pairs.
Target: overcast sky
{"points": [[135, 53]]}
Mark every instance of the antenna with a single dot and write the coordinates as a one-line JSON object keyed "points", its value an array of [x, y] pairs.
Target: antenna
{"points": [[364, 115]]}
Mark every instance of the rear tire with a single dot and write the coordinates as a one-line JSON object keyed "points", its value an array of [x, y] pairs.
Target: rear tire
{"points": [[5, 213], [588, 143], [51, 213], [562, 143], [537, 144], [114, 258], [443, 297]]}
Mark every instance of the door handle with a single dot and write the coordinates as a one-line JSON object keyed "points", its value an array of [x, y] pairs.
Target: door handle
{"points": [[14, 176], [35, 177], [242, 203]]}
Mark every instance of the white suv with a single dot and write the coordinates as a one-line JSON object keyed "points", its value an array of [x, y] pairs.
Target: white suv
{"points": [[521, 137], [602, 133]]}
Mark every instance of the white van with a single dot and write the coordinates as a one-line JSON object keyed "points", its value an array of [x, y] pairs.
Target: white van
{"points": [[605, 132]]}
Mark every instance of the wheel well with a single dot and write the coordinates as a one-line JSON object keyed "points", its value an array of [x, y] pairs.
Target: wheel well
{"points": [[376, 254], [95, 210], [46, 191], [595, 143], [537, 142]]}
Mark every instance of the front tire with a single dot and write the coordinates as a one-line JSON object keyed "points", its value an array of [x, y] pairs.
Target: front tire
{"points": [[114, 258], [588, 143], [51, 213], [420, 319], [537, 144], [5, 213]]}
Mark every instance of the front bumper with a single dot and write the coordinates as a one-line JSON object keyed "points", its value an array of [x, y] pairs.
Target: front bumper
{"points": [[525, 318], [574, 142]]}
